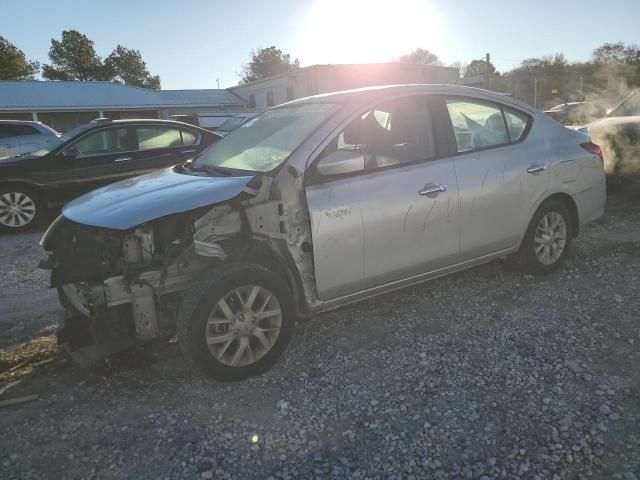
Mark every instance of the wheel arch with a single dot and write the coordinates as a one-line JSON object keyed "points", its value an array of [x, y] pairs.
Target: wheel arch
{"points": [[568, 201], [263, 253], [28, 185]]}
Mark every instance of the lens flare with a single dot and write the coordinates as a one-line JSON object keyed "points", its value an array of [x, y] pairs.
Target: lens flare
{"points": [[367, 31]]}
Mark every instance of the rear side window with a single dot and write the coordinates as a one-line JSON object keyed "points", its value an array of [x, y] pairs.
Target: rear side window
{"points": [[158, 136], [476, 125], [189, 138], [516, 123]]}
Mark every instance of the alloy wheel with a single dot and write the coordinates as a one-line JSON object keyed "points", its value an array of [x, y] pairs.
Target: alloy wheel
{"points": [[243, 326], [17, 209], [550, 238]]}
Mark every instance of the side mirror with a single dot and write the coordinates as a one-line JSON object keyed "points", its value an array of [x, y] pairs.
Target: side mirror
{"points": [[341, 162], [70, 153]]}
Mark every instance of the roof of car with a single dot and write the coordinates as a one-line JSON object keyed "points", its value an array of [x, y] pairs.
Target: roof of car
{"points": [[107, 121], [386, 90], [21, 122]]}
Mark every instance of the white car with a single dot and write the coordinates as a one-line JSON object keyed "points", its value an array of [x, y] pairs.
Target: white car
{"points": [[18, 137]]}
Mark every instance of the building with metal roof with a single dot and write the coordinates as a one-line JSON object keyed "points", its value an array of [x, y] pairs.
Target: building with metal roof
{"points": [[317, 79], [66, 104]]}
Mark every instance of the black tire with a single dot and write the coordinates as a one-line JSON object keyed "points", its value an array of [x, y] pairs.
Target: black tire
{"points": [[526, 259], [200, 301], [32, 209]]}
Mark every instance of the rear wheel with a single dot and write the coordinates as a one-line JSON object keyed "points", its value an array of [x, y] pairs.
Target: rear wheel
{"points": [[237, 323], [20, 208], [546, 243]]}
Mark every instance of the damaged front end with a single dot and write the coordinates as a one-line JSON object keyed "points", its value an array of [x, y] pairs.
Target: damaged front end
{"points": [[119, 287]]}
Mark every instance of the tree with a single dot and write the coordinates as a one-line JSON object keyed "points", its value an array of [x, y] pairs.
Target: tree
{"points": [[125, 65], [73, 58], [420, 56], [617, 53], [14, 64], [479, 67], [265, 63]]}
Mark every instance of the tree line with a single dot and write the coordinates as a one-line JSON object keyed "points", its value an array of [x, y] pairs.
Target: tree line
{"points": [[74, 57]]}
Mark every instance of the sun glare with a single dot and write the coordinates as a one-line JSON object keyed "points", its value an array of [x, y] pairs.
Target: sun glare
{"points": [[362, 31]]}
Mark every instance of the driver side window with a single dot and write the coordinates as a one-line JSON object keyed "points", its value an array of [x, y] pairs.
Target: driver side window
{"points": [[103, 142], [395, 132]]}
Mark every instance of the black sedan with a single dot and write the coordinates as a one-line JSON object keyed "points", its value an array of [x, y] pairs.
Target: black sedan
{"points": [[89, 156]]}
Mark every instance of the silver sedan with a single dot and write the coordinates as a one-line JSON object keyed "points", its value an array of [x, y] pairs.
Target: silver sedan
{"points": [[317, 203]]}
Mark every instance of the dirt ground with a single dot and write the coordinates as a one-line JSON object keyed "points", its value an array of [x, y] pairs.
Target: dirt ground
{"points": [[485, 374]]}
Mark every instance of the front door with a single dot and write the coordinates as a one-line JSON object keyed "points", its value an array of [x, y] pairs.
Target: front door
{"points": [[98, 158], [395, 220]]}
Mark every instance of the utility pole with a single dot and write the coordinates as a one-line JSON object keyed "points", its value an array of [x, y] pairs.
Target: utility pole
{"points": [[218, 82], [535, 92], [487, 60], [580, 92]]}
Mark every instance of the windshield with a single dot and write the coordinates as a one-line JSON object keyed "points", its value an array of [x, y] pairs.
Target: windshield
{"points": [[265, 141], [630, 106], [54, 143]]}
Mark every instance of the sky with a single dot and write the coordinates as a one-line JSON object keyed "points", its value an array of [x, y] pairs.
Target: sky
{"points": [[196, 43]]}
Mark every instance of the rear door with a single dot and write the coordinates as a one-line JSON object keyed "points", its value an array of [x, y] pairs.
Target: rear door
{"points": [[398, 218], [500, 177], [97, 158], [160, 146]]}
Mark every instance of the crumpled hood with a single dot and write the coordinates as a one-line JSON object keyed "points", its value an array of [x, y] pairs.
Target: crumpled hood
{"points": [[137, 200]]}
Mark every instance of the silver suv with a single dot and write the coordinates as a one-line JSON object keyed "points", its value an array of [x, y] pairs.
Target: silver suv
{"points": [[18, 137]]}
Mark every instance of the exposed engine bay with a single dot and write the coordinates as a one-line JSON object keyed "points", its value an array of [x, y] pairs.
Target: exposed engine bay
{"points": [[122, 287]]}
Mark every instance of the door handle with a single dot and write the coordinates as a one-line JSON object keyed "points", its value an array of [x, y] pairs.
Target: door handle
{"points": [[536, 168], [189, 151], [432, 189], [123, 159]]}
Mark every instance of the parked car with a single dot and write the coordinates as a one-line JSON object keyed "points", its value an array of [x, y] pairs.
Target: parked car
{"points": [[575, 113], [619, 135], [234, 122], [314, 204], [88, 157], [18, 137]]}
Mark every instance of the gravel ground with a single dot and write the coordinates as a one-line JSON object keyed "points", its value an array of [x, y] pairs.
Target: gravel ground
{"points": [[485, 374]]}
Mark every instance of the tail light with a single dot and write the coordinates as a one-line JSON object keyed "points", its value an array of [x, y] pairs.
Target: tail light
{"points": [[593, 148]]}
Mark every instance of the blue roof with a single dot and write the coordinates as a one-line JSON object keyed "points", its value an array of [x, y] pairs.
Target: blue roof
{"points": [[74, 95]]}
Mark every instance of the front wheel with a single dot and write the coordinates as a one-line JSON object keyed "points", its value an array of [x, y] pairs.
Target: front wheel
{"points": [[20, 208], [547, 240], [236, 322]]}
